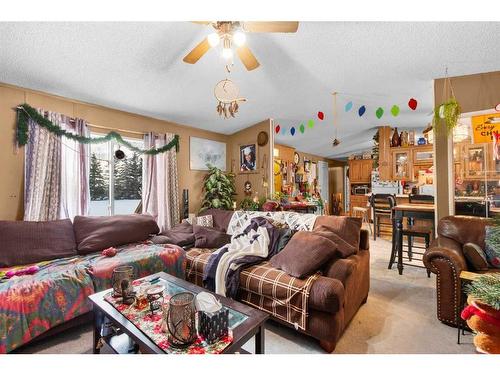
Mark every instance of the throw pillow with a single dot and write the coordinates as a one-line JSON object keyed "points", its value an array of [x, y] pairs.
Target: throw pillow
{"points": [[25, 242], [209, 237], [475, 256], [95, 233], [202, 221], [347, 228], [180, 235], [493, 245], [304, 254]]}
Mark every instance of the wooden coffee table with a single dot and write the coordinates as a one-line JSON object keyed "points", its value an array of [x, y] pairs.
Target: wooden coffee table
{"points": [[252, 325]]}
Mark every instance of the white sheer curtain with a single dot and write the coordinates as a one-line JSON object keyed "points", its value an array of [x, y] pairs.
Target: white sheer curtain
{"points": [[56, 171], [75, 192], [160, 185]]}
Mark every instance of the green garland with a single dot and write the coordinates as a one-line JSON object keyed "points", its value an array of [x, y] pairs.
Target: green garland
{"points": [[25, 112], [486, 288]]}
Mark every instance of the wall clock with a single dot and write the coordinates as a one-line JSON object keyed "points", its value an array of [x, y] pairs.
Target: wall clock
{"points": [[296, 158]]}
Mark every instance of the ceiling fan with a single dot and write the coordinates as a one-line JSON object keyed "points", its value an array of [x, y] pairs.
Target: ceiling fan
{"points": [[232, 33]]}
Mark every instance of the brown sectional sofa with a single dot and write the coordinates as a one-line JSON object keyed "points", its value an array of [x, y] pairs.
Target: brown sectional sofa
{"points": [[445, 258], [334, 297]]}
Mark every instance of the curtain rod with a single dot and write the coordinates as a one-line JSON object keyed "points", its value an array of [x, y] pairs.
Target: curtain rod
{"points": [[71, 119]]}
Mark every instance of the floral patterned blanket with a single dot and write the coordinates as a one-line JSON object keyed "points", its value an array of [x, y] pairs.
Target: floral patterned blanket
{"points": [[32, 304]]}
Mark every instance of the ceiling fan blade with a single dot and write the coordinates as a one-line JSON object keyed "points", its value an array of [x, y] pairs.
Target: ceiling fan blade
{"points": [[271, 27], [197, 52], [247, 58]]}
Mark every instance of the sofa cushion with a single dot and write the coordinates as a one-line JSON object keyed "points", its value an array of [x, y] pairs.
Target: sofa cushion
{"points": [[209, 237], [25, 242], [95, 233], [221, 218], [203, 221], [180, 235], [347, 228], [475, 257], [304, 254]]}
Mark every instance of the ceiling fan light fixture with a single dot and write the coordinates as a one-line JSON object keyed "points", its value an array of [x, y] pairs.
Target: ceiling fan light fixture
{"points": [[213, 40], [227, 53], [239, 38]]}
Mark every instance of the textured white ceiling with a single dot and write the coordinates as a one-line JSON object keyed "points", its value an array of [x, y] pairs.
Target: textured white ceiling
{"points": [[138, 67]]}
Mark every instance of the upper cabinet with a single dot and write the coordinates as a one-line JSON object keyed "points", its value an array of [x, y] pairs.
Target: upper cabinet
{"points": [[401, 164], [360, 171], [475, 156]]}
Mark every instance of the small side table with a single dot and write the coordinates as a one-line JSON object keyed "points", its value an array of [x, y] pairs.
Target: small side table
{"points": [[466, 277]]}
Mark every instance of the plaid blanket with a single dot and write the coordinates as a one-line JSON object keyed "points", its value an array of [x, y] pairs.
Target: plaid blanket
{"points": [[263, 287]]}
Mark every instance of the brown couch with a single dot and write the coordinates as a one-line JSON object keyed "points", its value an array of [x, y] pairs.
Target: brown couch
{"points": [[334, 297], [445, 258]]}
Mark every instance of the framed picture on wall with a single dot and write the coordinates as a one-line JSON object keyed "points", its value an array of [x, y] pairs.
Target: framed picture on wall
{"points": [[307, 166], [248, 158], [204, 152]]}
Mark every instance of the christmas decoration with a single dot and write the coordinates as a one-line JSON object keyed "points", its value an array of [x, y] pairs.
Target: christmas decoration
{"points": [[25, 112], [348, 106], [379, 112], [321, 115], [292, 131], [119, 154], [310, 123], [277, 129]]}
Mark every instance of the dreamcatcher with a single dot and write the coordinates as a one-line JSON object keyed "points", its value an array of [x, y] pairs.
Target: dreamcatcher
{"points": [[227, 95]]}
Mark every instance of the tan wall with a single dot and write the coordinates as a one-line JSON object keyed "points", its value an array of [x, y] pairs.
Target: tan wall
{"points": [[474, 92], [12, 163], [264, 153]]}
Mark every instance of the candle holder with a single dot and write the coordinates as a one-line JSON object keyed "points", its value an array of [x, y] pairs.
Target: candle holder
{"points": [[121, 280]]}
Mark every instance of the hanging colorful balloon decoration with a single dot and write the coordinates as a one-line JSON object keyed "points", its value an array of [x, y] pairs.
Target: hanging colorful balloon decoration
{"points": [[395, 110], [412, 103], [379, 112]]}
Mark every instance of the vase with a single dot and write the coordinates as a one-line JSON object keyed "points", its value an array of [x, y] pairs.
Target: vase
{"points": [[396, 140]]}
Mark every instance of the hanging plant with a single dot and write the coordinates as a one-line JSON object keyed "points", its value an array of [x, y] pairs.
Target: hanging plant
{"points": [[446, 116]]}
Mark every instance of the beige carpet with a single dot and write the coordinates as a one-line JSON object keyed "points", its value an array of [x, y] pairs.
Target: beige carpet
{"points": [[399, 317]]}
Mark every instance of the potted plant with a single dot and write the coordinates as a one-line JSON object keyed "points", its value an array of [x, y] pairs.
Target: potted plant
{"points": [[483, 312], [219, 189]]}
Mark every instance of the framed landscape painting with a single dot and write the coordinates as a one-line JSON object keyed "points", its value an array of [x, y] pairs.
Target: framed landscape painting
{"points": [[203, 152]]}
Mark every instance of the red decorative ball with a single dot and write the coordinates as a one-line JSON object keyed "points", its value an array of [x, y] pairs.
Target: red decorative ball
{"points": [[412, 103]]}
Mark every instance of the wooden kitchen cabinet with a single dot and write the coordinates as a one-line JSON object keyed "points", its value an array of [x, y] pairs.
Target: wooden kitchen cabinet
{"points": [[360, 171], [401, 164], [475, 157]]}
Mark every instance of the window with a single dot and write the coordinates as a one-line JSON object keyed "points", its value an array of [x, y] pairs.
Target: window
{"points": [[115, 184]]}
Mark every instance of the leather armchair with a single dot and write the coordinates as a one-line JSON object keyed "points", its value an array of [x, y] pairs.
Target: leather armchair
{"points": [[445, 258]]}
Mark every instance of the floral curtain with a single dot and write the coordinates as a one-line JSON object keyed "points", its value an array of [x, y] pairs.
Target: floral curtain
{"points": [[42, 173], [160, 185], [56, 171]]}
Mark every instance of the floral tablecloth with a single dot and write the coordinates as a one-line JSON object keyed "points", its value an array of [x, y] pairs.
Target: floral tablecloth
{"points": [[150, 324]]}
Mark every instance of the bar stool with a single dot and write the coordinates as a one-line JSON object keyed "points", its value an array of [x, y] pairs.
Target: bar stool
{"points": [[382, 205], [363, 213], [412, 230]]}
